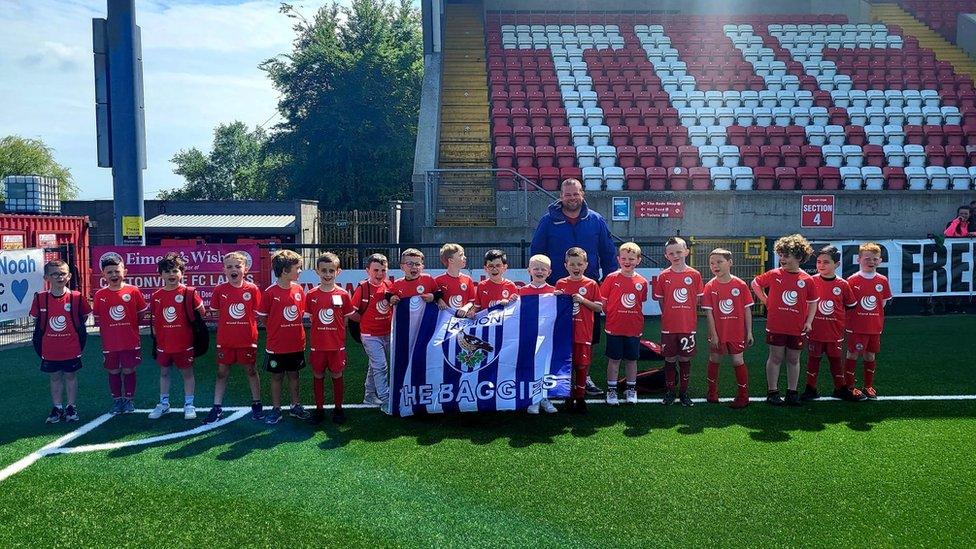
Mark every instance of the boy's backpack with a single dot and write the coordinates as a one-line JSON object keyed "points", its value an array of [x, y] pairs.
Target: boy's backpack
{"points": [[40, 325], [201, 335]]}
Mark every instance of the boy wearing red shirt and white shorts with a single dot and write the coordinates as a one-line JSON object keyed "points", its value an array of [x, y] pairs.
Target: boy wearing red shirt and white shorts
{"points": [[827, 331], [118, 309], [171, 307], [728, 308], [236, 303], [456, 290], [866, 320], [623, 294], [328, 305], [790, 304], [586, 302], [678, 289], [59, 333], [375, 316]]}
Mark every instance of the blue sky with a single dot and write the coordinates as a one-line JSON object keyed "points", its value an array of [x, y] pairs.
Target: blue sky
{"points": [[200, 65]]}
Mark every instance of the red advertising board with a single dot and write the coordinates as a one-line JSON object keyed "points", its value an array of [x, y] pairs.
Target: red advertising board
{"points": [[817, 211], [659, 208], [204, 265]]}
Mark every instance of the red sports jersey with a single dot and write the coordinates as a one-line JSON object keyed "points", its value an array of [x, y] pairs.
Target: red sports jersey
{"points": [[678, 293], [283, 310], [458, 290], [490, 293], [790, 296], [117, 316], [623, 298], [582, 316], [529, 289], [237, 321], [728, 302], [829, 320], [377, 314], [423, 284], [328, 311], [60, 340], [170, 321], [871, 294]]}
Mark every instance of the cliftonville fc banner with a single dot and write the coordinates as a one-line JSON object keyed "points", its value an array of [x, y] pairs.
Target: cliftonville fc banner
{"points": [[505, 358]]}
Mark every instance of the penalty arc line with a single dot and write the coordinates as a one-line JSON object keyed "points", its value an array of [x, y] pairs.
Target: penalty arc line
{"points": [[32, 457]]}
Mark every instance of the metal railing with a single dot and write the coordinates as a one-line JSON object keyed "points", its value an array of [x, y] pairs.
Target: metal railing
{"points": [[510, 210]]}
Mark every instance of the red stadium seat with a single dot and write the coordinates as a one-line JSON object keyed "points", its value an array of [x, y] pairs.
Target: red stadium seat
{"points": [[523, 135], [505, 156], [764, 178], [776, 135], [570, 172], [525, 156], [786, 178], [678, 136], [700, 178], [667, 156], [657, 178], [829, 178], [914, 135], [812, 156], [956, 155], [636, 179], [542, 136], [545, 156], [894, 178], [688, 156], [658, 135], [749, 155], [678, 179], [873, 155], [770, 156], [561, 136], [756, 136], [647, 156], [736, 135], [809, 178], [549, 178], [626, 156], [935, 155], [855, 135], [639, 135], [619, 136]]}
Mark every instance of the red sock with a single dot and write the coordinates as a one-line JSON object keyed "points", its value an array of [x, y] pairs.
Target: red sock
{"points": [[115, 385], [579, 384], [813, 370], [669, 375], [742, 381], [318, 386], [129, 384], [711, 377], [850, 366], [836, 371], [685, 375], [338, 388], [869, 366]]}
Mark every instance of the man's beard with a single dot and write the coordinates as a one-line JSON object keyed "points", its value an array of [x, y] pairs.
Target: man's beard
{"points": [[568, 207]]}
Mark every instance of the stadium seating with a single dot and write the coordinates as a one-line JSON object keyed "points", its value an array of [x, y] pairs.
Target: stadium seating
{"points": [[940, 15], [730, 103]]}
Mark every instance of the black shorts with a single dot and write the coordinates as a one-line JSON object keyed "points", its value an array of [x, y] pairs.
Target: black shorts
{"points": [[66, 366], [623, 347], [278, 363]]}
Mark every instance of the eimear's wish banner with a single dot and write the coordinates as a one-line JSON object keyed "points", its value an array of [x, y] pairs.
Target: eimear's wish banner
{"points": [[506, 358]]}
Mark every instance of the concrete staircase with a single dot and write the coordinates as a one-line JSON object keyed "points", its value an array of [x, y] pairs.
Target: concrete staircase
{"points": [[465, 132], [892, 14]]}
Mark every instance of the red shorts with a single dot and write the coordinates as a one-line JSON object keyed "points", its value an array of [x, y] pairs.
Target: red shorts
{"points": [[182, 360], [782, 340], [116, 360], [728, 348], [681, 345], [245, 356], [333, 361], [832, 349], [582, 354], [863, 343]]}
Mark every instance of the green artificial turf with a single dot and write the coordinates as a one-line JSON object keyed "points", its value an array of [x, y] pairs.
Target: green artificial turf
{"points": [[828, 474]]}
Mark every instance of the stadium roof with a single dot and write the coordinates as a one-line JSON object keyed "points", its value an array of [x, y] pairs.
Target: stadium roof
{"points": [[276, 224]]}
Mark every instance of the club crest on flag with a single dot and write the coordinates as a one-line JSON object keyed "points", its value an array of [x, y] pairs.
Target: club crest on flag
{"points": [[467, 348]]}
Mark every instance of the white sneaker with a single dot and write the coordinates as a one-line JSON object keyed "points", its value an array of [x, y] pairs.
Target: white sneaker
{"points": [[189, 411], [159, 410], [547, 406], [533, 409], [631, 396], [612, 399]]}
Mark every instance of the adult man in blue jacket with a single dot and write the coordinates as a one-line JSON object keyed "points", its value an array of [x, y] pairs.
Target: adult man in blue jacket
{"points": [[570, 223]]}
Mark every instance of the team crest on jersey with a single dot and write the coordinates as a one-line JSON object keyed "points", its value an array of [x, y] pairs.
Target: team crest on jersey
{"points": [[859, 346], [236, 311], [246, 296], [456, 301], [681, 295], [58, 323], [791, 298], [687, 280], [297, 296], [639, 286], [878, 287], [628, 300], [836, 290], [504, 294], [127, 297], [169, 314], [735, 292], [420, 289], [467, 344], [117, 313], [464, 286], [178, 298], [67, 307], [800, 283]]}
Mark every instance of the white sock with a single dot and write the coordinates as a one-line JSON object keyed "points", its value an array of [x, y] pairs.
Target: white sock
{"points": [[164, 400], [188, 400]]}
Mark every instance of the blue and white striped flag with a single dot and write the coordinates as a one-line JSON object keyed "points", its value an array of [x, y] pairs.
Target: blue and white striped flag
{"points": [[505, 358]]}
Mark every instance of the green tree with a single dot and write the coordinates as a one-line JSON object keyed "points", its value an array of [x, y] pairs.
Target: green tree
{"points": [[21, 156], [350, 99], [235, 169]]}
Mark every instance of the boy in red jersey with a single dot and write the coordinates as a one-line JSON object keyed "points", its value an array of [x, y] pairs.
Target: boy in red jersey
{"points": [[496, 290], [678, 289], [790, 305], [623, 293], [375, 316], [328, 305], [728, 308], [539, 270], [415, 282], [456, 289], [866, 320], [827, 331], [59, 334], [283, 309], [236, 303], [586, 302], [118, 309], [172, 306]]}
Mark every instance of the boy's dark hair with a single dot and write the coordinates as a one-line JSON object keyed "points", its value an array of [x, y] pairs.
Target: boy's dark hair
{"points": [[377, 258], [794, 245], [676, 240], [492, 255], [576, 251], [721, 252], [327, 257], [284, 260], [54, 264], [111, 260], [171, 262], [831, 251]]}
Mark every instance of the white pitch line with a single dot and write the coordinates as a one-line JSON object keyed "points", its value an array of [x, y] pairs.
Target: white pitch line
{"points": [[32, 457]]}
